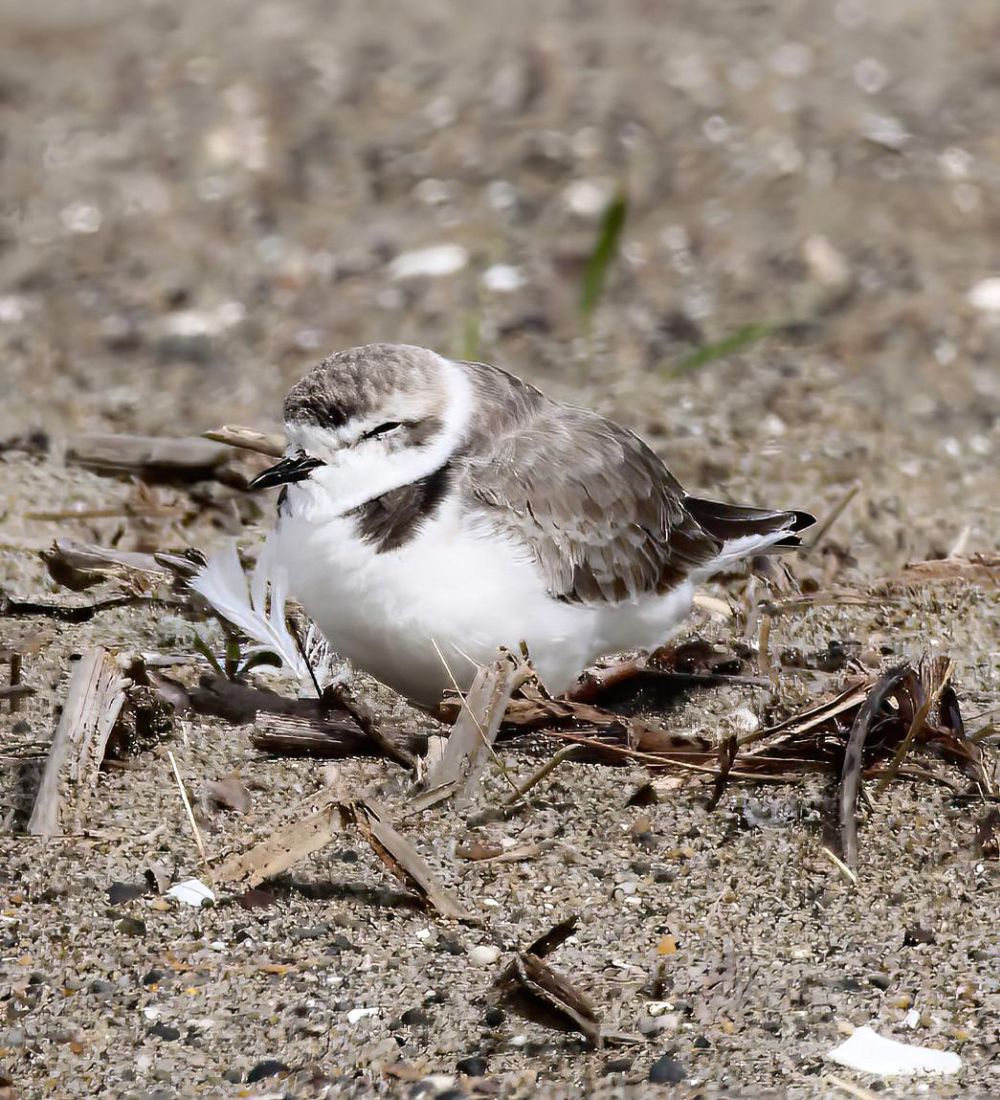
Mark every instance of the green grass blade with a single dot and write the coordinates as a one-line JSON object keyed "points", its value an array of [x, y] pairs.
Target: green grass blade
{"points": [[736, 341], [604, 253]]}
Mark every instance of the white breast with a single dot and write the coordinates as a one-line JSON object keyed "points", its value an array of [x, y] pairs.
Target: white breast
{"points": [[449, 596]]}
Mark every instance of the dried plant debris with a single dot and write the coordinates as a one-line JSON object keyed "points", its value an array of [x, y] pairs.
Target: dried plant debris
{"points": [[531, 988], [96, 697], [79, 566], [978, 569], [285, 846], [866, 731], [403, 860], [291, 843], [191, 458], [470, 743], [13, 691]]}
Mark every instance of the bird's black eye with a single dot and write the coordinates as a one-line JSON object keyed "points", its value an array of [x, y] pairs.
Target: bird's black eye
{"points": [[383, 429]]}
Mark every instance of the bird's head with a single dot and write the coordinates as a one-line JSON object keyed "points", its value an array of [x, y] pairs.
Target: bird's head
{"points": [[371, 419]]}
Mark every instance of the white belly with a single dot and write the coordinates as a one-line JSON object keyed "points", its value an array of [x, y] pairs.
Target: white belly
{"points": [[449, 597]]}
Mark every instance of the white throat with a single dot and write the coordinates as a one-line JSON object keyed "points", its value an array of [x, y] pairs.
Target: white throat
{"points": [[352, 477]]}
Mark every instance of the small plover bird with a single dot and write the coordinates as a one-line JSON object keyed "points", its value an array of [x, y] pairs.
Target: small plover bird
{"points": [[433, 510]]}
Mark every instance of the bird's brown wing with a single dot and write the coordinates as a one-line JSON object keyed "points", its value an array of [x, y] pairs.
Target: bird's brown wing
{"points": [[598, 512]]}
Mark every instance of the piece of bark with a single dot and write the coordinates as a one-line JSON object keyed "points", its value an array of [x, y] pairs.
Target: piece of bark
{"points": [[95, 699], [309, 735], [470, 742], [285, 846], [405, 862], [191, 458], [79, 565]]}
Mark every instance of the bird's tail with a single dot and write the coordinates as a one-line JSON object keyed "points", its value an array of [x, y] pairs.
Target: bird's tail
{"points": [[745, 531]]}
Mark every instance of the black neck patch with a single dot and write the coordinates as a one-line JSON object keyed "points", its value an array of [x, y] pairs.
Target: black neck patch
{"points": [[393, 519]]}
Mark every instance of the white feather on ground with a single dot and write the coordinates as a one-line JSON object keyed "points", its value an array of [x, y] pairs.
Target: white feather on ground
{"points": [[258, 610]]}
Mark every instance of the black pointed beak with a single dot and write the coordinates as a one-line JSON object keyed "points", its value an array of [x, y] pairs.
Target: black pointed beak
{"points": [[290, 468]]}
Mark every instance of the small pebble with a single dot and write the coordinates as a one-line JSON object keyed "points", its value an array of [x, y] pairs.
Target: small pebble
{"points": [[484, 955], [271, 1067], [665, 1071], [165, 1031], [473, 1066]]}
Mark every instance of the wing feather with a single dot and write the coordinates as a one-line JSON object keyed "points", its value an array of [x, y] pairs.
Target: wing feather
{"points": [[599, 513]]}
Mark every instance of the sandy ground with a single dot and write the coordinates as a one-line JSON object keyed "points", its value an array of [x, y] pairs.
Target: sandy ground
{"points": [[198, 201]]}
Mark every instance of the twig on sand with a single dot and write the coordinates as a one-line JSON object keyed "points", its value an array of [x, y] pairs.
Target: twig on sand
{"points": [[822, 528], [291, 843], [850, 777], [546, 769], [248, 439], [190, 815]]}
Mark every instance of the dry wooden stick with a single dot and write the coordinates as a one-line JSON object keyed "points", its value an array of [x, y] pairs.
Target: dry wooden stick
{"points": [[248, 439], [190, 814], [96, 696], [824, 525], [850, 778], [104, 451]]}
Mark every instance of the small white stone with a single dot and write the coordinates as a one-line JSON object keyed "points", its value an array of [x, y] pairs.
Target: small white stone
{"points": [[357, 1014], [12, 309], [912, 1018], [436, 261], [716, 129], [81, 217], [439, 1081], [871, 75], [791, 59], [588, 198], [885, 130], [484, 955], [826, 263], [985, 295], [503, 278]]}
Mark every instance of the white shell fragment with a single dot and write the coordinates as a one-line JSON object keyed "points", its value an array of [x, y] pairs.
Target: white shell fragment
{"points": [[191, 892], [869, 1052], [985, 295], [438, 260]]}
